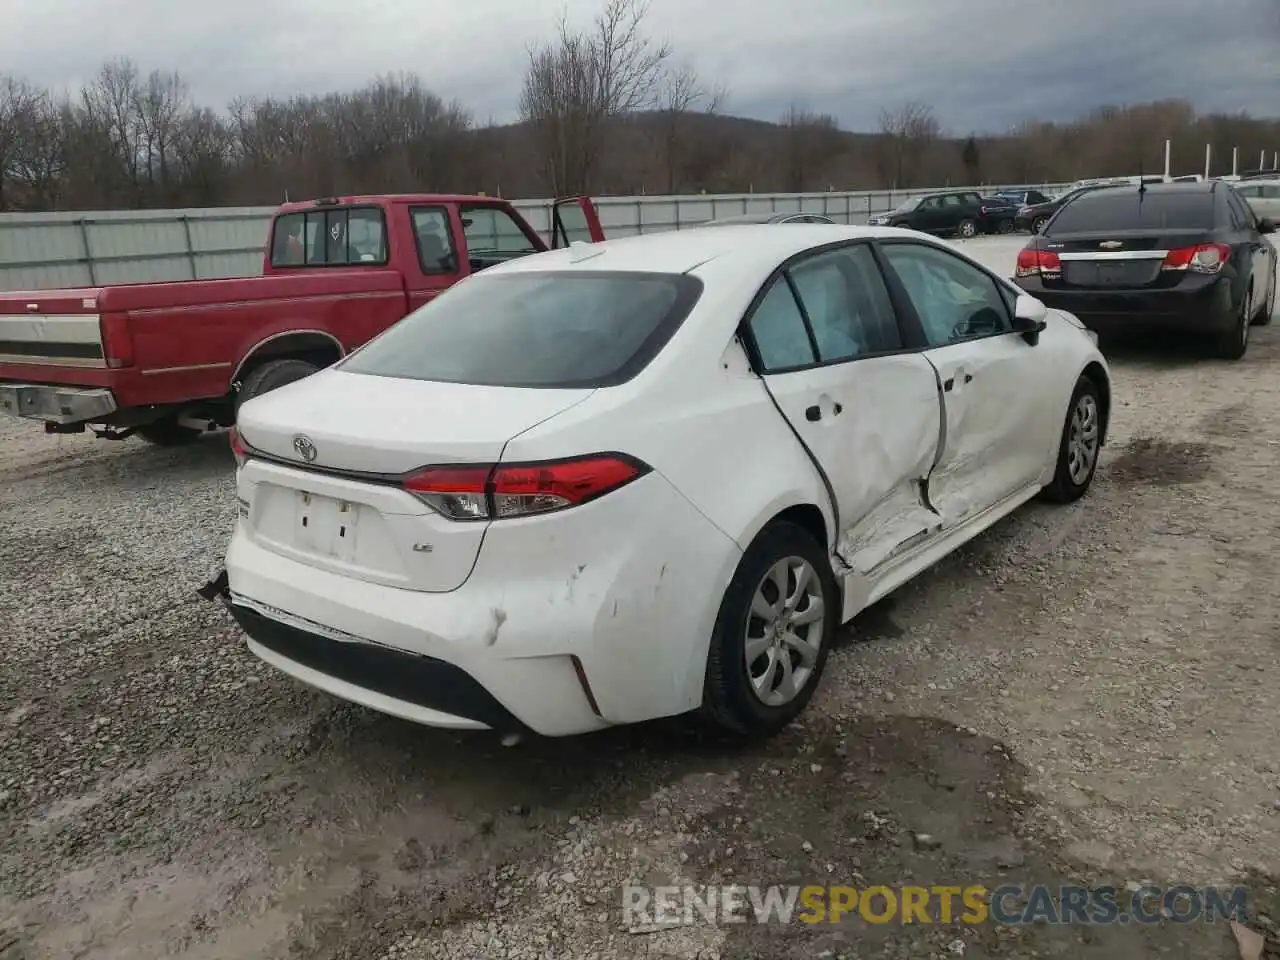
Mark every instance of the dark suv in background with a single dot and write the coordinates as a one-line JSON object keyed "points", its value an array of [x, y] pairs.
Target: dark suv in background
{"points": [[1178, 257], [953, 212]]}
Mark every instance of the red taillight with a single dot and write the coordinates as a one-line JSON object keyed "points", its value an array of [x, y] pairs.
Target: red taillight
{"points": [[237, 446], [117, 344], [1032, 262], [494, 492], [1204, 258]]}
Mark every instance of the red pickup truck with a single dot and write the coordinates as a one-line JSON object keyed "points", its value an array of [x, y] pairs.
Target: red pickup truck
{"points": [[168, 361]]}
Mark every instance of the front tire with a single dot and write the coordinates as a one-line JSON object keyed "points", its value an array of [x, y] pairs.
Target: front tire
{"points": [[1079, 447], [776, 624]]}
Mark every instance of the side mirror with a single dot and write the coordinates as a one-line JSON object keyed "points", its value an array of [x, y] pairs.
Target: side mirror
{"points": [[1266, 225], [1030, 318]]}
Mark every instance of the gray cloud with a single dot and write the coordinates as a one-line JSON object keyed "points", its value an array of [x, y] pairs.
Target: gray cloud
{"points": [[982, 64]]}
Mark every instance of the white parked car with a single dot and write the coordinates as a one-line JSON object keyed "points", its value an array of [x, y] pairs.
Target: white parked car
{"points": [[638, 478], [1263, 196]]}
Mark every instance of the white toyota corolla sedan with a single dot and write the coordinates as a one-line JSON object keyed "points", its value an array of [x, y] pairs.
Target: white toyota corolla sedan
{"points": [[650, 476]]}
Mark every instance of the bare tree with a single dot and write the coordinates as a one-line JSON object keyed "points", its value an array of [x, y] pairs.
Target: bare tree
{"points": [[18, 101], [606, 108], [40, 163], [682, 95], [810, 139], [581, 82], [160, 104], [908, 131]]}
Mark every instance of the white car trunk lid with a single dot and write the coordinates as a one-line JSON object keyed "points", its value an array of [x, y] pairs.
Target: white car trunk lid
{"points": [[344, 509]]}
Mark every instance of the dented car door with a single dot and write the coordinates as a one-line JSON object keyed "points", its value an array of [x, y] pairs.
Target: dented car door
{"points": [[830, 351], [996, 410]]}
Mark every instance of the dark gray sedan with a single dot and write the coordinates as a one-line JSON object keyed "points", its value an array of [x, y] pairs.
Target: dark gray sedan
{"points": [[767, 218]]}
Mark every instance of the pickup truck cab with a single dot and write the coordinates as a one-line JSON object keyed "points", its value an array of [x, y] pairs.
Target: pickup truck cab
{"points": [[168, 361]]}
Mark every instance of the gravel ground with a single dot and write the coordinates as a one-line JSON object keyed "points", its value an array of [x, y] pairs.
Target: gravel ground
{"points": [[1084, 694]]}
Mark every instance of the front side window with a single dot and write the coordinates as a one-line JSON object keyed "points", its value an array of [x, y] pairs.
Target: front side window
{"points": [[954, 300], [580, 329], [330, 236]]}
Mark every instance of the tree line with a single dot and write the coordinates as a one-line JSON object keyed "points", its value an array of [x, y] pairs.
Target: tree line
{"points": [[605, 109]]}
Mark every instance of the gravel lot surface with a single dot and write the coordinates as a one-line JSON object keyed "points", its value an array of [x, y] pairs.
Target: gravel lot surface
{"points": [[1084, 694]]}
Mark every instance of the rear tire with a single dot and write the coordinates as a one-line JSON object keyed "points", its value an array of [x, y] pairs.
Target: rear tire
{"points": [[1006, 226], [168, 433], [967, 229], [1232, 344], [271, 376], [748, 699], [1038, 224], [1079, 447]]}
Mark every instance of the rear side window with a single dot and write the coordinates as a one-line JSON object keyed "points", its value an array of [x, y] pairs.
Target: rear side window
{"points": [[1110, 210], [555, 329], [330, 236]]}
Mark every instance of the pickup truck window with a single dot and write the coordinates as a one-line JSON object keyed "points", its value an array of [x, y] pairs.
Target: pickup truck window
{"points": [[330, 236], [435, 244], [493, 236]]}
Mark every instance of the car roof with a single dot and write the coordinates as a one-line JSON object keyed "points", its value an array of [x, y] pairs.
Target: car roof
{"points": [[752, 246], [1259, 182]]}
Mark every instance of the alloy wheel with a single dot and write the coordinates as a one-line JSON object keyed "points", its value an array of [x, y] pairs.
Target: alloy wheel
{"points": [[1082, 439], [784, 633]]}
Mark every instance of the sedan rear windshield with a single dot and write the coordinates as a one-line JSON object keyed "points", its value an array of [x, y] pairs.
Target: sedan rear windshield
{"points": [[548, 329], [1106, 211]]}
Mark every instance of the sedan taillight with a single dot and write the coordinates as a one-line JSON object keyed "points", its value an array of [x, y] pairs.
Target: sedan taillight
{"points": [[237, 446], [1204, 258], [499, 491], [1043, 263]]}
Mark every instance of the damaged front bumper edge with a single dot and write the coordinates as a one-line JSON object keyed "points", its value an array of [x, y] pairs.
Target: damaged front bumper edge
{"points": [[219, 588]]}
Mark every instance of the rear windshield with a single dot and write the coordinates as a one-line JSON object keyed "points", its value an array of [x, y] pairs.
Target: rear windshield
{"points": [[554, 329], [1110, 210]]}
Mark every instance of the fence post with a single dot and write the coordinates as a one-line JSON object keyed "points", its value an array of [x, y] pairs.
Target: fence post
{"points": [[83, 224], [191, 250]]}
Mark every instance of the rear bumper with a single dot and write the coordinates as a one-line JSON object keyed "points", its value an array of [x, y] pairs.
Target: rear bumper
{"points": [[54, 404], [567, 624], [1206, 308]]}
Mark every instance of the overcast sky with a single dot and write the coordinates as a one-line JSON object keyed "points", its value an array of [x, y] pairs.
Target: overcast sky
{"points": [[982, 64]]}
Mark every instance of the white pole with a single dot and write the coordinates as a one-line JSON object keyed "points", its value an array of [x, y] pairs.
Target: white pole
{"points": [[1235, 161], [1262, 159], [1208, 158], [1168, 151], [1275, 159]]}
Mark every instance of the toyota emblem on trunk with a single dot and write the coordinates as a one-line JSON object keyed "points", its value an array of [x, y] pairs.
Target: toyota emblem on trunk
{"points": [[306, 449]]}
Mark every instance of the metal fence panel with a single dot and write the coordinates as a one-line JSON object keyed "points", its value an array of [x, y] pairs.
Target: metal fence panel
{"points": [[40, 251]]}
